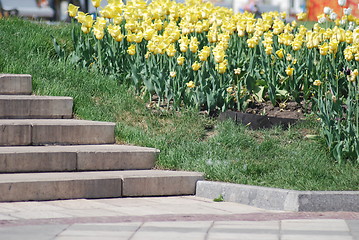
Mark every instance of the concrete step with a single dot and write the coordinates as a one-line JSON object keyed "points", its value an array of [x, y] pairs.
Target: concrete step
{"points": [[75, 158], [55, 131], [52, 186], [15, 84], [23, 106]]}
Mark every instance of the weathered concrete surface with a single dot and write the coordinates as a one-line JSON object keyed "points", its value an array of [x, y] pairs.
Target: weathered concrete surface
{"points": [[56, 131], [75, 158], [23, 106], [99, 184], [280, 199], [159, 183], [15, 133], [115, 157], [15, 84]]}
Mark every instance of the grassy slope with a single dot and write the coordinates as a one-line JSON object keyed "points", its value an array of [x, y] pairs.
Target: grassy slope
{"points": [[226, 152]]}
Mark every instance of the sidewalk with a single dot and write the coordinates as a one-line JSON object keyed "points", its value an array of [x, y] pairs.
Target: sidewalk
{"points": [[167, 218]]}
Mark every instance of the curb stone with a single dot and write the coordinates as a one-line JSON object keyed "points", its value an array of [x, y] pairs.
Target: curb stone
{"points": [[280, 199]]}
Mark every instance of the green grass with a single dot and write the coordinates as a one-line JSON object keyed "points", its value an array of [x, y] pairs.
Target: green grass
{"points": [[187, 140]]}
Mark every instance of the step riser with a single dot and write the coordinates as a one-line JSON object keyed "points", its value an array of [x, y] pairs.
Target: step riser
{"points": [[15, 84], [37, 162], [27, 134], [15, 134], [159, 186], [54, 190], [72, 135], [52, 186], [72, 161], [16, 109]]}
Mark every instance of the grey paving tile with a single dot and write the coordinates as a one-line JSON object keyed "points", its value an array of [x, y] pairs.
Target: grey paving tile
{"points": [[354, 228], [250, 230], [172, 230], [315, 237], [316, 229], [38, 215], [38, 232], [242, 236], [90, 213], [327, 225], [100, 231], [7, 217]]}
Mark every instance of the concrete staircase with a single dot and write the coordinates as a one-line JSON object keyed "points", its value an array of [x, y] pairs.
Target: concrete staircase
{"points": [[46, 155]]}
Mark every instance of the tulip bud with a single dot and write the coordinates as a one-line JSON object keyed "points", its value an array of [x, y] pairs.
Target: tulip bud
{"points": [[342, 3], [327, 10], [347, 11]]}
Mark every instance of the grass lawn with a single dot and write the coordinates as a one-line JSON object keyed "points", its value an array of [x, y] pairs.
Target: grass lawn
{"points": [[187, 140]]}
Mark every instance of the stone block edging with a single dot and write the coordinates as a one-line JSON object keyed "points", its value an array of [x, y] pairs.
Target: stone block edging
{"points": [[280, 199]]}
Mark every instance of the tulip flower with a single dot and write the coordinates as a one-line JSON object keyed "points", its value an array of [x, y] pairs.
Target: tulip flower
{"points": [[180, 60], [342, 3], [317, 83], [173, 74], [196, 65], [72, 10], [131, 49], [190, 84], [96, 3], [289, 71]]}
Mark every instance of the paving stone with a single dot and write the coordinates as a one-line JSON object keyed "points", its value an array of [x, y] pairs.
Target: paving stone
{"points": [[38, 232], [15, 84], [38, 215], [354, 228], [172, 230], [22, 106], [241, 236]]}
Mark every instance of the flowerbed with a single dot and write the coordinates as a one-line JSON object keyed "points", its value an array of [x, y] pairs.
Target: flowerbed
{"points": [[198, 55]]}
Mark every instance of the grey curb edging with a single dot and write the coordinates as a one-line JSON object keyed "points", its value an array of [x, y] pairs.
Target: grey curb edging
{"points": [[280, 199]]}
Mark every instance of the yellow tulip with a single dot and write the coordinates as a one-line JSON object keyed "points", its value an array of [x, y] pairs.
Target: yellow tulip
{"points": [[196, 65], [317, 83], [237, 71], [280, 53], [221, 67], [85, 29], [173, 74], [88, 21], [171, 50], [289, 71], [180, 60], [96, 3], [72, 10], [190, 84], [119, 37], [131, 49], [114, 30], [98, 32]]}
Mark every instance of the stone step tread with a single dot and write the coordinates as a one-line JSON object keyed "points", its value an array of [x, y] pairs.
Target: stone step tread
{"points": [[100, 184], [15, 84], [68, 176], [53, 122], [30, 106], [76, 148], [32, 97], [75, 158]]}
